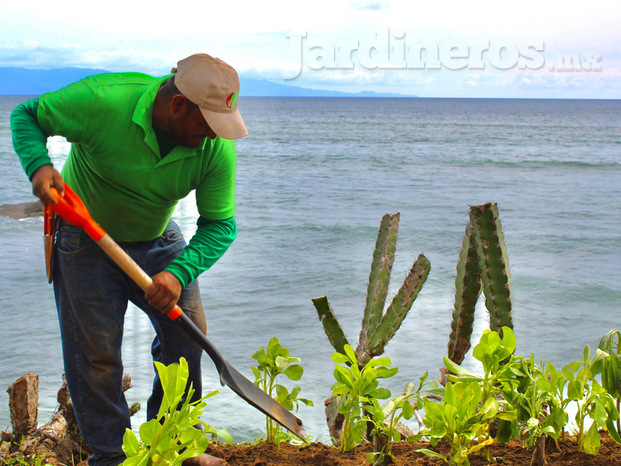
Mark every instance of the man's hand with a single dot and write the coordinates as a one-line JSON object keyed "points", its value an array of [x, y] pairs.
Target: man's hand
{"points": [[164, 292], [43, 179]]}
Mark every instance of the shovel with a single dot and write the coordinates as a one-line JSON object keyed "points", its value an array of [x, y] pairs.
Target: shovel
{"points": [[71, 208]]}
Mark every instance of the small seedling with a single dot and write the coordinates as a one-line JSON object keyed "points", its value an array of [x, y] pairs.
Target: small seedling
{"points": [[611, 366], [272, 362], [356, 388], [592, 401], [386, 418], [461, 419], [174, 435]]}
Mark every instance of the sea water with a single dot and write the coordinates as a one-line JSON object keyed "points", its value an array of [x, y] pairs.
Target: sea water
{"points": [[314, 179]]}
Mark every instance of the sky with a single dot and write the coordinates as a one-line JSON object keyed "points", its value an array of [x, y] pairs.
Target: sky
{"points": [[431, 48]]}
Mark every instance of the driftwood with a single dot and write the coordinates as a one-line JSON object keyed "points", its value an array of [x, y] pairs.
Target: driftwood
{"points": [[24, 404], [58, 441]]}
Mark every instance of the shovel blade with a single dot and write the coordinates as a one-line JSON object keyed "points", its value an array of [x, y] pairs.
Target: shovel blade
{"points": [[247, 390]]}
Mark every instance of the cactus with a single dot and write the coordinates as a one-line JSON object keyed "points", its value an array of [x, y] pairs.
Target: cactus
{"points": [[379, 278], [397, 310], [467, 291], [494, 265], [483, 264], [378, 327], [331, 325]]}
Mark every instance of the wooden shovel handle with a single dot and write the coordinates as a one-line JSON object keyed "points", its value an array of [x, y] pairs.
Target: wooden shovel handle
{"points": [[71, 208]]}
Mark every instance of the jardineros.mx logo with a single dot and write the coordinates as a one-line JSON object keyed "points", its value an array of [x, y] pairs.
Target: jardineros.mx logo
{"points": [[395, 50]]}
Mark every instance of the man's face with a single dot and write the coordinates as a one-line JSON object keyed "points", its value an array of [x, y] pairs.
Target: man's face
{"points": [[189, 128]]}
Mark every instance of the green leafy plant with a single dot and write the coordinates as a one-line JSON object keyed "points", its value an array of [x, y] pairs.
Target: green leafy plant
{"points": [[499, 368], [356, 388], [174, 435], [494, 352], [385, 420], [539, 410], [462, 419], [26, 460], [611, 367], [592, 400], [272, 362]]}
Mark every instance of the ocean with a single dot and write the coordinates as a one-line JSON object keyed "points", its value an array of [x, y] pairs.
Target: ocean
{"points": [[315, 177]]}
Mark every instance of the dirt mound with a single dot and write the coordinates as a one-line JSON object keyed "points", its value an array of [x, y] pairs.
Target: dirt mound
{"points": [[513, 453]]}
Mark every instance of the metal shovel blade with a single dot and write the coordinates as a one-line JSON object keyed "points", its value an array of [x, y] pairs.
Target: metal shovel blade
{"points": [[241, 385]]}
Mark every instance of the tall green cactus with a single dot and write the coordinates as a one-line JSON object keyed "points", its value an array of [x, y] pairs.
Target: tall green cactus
{"points": [[467, 291], [376, 339], [378, 327], [379, 277], [483, 264], [494, 265], [331, 325]]}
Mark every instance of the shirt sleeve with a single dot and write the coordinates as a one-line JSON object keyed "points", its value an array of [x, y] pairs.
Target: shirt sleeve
{"points": [[209, 243], [29, 140], [215, 195], [68, 112]]}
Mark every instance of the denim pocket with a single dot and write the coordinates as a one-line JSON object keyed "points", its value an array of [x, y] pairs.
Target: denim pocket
{"points": [[72, 240], [172, 233], [168, 246]]}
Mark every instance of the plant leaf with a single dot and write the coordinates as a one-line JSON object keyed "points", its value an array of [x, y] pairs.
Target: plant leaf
{"points": [[432, 454], [148, 430], [294, 372], [591, 440], [131, 446]]}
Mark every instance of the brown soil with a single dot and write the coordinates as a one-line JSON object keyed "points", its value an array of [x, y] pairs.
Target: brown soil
{"points": [[318, 454], [405, 453], [58, 443]]}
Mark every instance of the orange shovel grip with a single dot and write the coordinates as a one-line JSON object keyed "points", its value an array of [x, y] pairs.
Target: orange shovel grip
{"points": [[71, 208], [175, 313]]}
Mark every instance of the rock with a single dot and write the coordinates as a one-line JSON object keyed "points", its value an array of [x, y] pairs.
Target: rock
{"points": [[56, 428], [19, 211]]}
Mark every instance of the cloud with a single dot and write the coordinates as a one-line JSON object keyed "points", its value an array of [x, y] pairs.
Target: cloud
{"points": [[369, 5], [34, 55], [38, 34]]}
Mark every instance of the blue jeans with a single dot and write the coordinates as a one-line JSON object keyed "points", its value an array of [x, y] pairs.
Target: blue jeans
{"points": [[92, 294]]}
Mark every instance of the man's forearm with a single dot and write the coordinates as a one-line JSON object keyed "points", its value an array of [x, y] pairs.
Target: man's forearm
{"points": [[209, 243]]}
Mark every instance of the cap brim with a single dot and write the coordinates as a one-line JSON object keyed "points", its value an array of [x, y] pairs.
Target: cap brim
{"points": [[226, 125]]}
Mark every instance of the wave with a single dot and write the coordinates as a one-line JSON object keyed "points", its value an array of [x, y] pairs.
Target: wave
{"points": [[537, 163]]}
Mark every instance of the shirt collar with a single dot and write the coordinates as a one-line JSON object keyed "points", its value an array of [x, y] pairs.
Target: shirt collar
{"points": [[143, 117], [143, 114]]}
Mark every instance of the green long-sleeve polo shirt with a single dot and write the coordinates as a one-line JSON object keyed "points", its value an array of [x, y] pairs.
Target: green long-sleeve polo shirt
{"points": [[115, 165]]}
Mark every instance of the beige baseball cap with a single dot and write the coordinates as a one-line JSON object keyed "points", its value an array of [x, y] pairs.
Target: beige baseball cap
{"points": [[213, 85]]}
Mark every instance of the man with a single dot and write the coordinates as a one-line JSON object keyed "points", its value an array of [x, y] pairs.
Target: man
{"points": [[139, 144]]}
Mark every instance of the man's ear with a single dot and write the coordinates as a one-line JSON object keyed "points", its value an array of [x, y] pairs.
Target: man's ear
{"points": [[178, 104]]}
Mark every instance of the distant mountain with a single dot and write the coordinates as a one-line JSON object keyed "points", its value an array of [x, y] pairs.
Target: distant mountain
{"points": [[22, 81], [265, 88]]}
